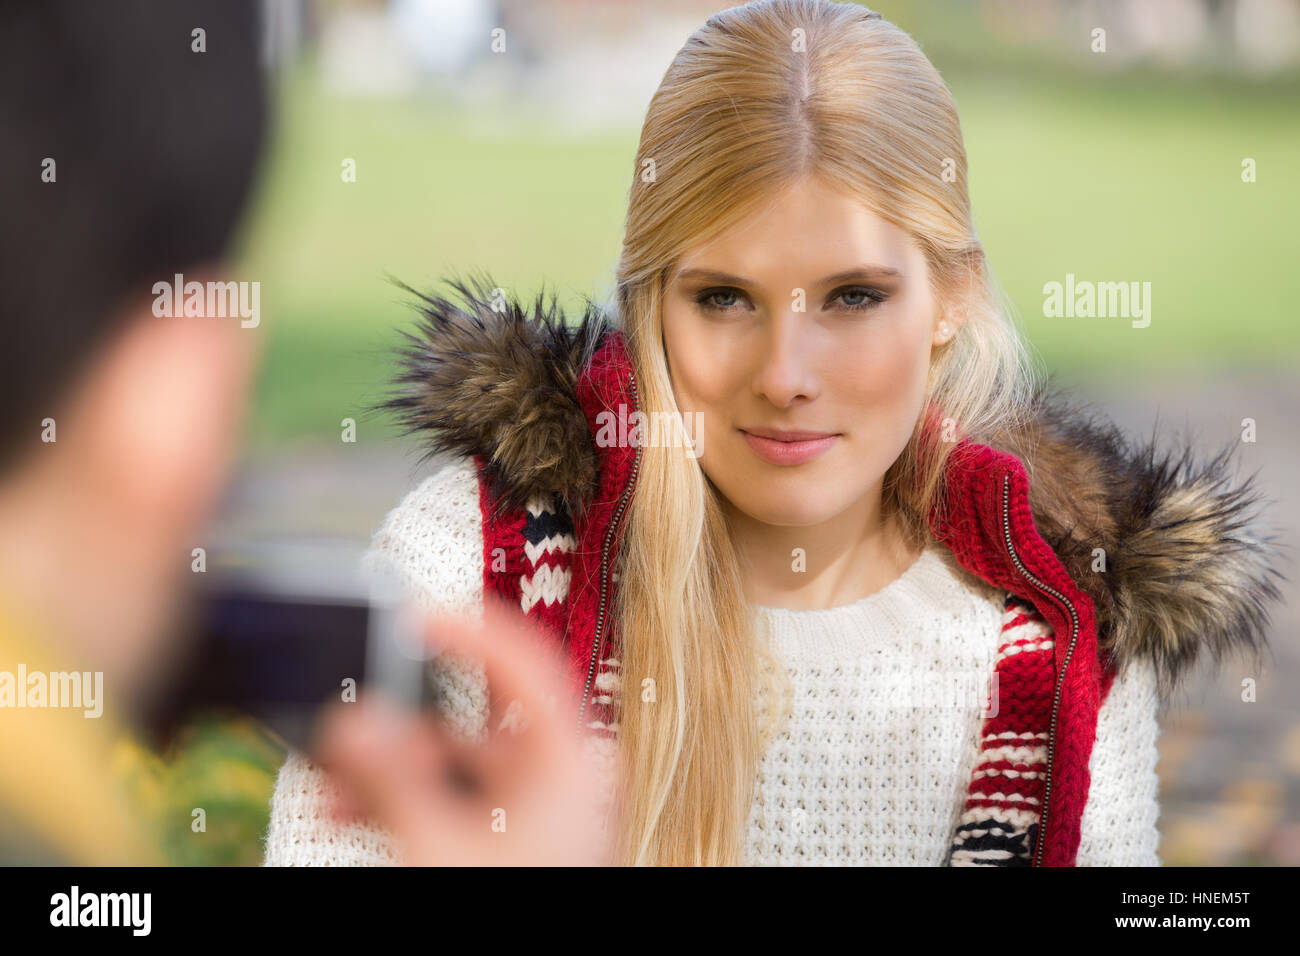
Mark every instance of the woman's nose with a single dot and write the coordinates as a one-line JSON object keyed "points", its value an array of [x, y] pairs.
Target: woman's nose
{"points": [[787, 363]]}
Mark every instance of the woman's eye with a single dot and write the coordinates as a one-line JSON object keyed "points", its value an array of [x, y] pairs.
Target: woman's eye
{"points": [[861, 298], [709, 300]]}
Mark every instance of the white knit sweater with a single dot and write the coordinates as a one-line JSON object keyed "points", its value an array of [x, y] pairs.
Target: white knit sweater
{"points": [[872, 765]]}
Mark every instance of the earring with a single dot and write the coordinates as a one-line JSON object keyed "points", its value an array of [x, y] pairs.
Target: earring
{"points": [[943, 330]]}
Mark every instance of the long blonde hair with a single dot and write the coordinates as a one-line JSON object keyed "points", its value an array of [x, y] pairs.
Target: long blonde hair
{"points": [[759, 96]]}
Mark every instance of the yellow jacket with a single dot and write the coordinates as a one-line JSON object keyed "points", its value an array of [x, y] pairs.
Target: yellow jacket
{"points": [[60, 800]]}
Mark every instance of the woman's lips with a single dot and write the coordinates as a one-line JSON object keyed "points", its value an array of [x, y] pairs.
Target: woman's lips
{"points": [[782, 452]]}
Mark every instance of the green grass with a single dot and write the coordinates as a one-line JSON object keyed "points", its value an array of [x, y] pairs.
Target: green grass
{"points": [[1142, 185], [1107, 181], [433, 196]]}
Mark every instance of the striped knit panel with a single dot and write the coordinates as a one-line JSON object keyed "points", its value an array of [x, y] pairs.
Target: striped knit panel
{"points": [[607, 690], [999, 825], [527, 557]]}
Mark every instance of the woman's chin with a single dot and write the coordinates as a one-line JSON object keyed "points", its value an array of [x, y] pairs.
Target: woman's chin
{"points": [[788, 512]]}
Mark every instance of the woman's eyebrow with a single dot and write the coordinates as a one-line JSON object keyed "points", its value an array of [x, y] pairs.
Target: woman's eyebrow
{"points": [[858, 272]]}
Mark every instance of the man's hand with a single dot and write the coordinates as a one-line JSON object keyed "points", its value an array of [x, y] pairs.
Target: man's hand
{"points": [[526, 796]]}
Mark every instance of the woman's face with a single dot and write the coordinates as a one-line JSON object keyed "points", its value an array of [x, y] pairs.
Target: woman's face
{"points": [[814, 320]]}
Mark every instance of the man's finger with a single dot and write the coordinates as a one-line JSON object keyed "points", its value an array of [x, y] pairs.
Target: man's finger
{"points": [[527, 687], [395, 767]]}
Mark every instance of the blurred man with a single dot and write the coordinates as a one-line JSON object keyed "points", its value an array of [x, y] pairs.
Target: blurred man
{"points": [[129, 136]]}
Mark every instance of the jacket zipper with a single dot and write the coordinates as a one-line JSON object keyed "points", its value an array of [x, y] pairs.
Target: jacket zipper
{"points": [[598, 642], [1060, 680]]}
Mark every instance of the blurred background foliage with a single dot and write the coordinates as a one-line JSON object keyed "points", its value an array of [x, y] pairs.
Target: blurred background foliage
{"points": [[225, 767], [1116, 166]]}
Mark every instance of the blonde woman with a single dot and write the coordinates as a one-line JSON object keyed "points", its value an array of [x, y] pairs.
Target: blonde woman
{"points": [[877, 599]]}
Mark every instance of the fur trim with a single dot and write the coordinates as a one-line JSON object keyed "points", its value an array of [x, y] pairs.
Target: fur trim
{"points": [[1187, 572], [495, 379], [1187, 569]]}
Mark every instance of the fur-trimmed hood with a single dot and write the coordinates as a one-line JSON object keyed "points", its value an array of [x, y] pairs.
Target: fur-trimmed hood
{"points": [[1188, 574]]}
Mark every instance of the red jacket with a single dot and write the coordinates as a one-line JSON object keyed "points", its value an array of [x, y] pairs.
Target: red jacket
{"points": [[1184, 573]]}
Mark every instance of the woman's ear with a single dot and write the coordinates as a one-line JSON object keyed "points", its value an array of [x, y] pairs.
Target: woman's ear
{"points": [[948, 321]]}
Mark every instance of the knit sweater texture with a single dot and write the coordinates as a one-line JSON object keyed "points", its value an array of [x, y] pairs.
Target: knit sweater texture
{"points": [[872, 763]]}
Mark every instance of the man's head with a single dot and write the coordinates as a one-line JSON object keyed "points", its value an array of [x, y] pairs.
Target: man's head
{"points": [[130, 134]]}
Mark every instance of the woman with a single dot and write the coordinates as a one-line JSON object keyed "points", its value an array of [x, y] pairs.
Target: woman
{"points": [[881, 600]]}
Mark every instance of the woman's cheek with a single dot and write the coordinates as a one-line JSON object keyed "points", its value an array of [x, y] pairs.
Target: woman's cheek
{"points": [[888, 387], [698, 410]]}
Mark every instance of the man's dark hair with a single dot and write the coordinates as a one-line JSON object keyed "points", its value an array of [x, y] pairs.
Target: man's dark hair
{"points": [[154, 148]]}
